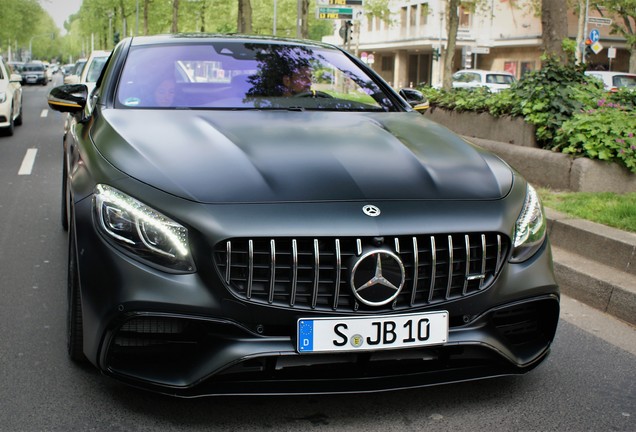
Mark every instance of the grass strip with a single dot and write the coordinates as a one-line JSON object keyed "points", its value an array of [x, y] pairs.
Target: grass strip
{"points": [[611, 209]]}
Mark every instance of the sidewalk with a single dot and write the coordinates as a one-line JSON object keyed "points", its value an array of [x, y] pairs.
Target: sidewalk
{"points": [[595, 264]]}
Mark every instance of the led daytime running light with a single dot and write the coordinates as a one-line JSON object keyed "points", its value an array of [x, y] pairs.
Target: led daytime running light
{"points": [[144, 214], [531, 210]]}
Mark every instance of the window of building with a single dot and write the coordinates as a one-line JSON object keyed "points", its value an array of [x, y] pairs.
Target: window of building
{"points": [[404, 12], [423, 14], [465, 17], [387, 63]]}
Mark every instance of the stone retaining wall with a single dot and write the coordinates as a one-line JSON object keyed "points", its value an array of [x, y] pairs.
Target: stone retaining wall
{"points": [[511, 130]]}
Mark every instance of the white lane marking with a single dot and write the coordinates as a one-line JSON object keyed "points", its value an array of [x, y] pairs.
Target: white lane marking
{"points": [[27, 162], [44, 113]]}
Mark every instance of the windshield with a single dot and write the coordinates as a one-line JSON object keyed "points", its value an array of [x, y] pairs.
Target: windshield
{"points": [[34, 68], [95, 69], [500, 79], [241, 75], [624, 81]]}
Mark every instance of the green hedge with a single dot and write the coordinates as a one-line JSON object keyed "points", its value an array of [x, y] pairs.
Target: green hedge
{"points": [[571, 112]]}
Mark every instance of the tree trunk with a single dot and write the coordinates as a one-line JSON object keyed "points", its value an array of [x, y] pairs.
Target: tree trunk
{"points": [[304, 23], [202, 12], [554, 22], [146, 2], [175, 16], [244, 24], [452, 24]]}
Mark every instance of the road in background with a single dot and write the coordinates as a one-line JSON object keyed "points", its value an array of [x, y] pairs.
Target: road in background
{"points": [[587, 384]]}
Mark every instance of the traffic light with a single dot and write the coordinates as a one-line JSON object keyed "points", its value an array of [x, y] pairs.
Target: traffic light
{"points": [[346, 31], [436, 54], [116, 38], [588, 47]]}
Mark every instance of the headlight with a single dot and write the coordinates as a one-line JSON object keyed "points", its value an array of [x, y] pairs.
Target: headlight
{"points": [[530, 228], [3, 97], [141, 230]]}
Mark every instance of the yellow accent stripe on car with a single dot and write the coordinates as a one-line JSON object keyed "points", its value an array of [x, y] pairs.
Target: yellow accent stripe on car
{"points": [[65, 104]]}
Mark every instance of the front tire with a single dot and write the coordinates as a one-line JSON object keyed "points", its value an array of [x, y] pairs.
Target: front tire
{"points": [[74, 331], [18, 119], [8, 131], [65, 198]]}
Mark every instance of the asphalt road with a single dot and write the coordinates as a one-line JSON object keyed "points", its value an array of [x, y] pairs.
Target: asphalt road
{"points": [[587, 384]]}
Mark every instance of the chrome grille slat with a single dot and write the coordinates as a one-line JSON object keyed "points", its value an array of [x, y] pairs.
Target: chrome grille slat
{"points": [[433, 269], [416, 270], [467, 262], [250, 275], [314, 273], [272, 274], [483, 259], [228, 260], [336, 293], [449, 285], [314, 296], [294, 286]]}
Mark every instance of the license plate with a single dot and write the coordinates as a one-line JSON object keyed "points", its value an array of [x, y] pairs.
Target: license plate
{"points": [[372, 333]]}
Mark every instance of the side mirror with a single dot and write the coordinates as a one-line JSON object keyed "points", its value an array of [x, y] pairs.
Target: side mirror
{"points": [[412, 96], [415, 98], [69, 98]]}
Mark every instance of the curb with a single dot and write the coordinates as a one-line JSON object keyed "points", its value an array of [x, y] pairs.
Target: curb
{"points": [[594, 264]]}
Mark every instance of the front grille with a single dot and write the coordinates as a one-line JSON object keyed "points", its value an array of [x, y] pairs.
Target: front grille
{"points": [[314, 273]]}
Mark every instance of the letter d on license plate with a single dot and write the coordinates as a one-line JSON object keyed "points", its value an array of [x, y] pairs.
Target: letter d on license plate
{"points": [[372, 333]]}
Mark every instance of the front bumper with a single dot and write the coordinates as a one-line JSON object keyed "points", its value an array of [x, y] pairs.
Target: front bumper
{"points": [[34, 79], [187, 335], [188, 356]]}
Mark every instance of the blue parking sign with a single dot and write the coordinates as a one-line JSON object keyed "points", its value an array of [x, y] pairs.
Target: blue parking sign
{"points": [[595, 35]]}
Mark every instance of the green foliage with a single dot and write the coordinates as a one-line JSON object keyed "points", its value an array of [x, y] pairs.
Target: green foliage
{"points": [[476, 100], [547, 97], [571, 112], [606, 133], [25, 23]]}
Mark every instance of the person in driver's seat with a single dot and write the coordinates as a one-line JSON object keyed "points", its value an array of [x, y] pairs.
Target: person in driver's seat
{"points": [[297, 82]]}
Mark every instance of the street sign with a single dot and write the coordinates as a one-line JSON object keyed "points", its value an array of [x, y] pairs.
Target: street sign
{"points": [[344, 13], [599, 21], [597, 47], [611, 52], [481, 50], [595, 35]]}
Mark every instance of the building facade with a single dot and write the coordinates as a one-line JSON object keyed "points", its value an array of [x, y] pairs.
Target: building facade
{"points": [[497, 35]]}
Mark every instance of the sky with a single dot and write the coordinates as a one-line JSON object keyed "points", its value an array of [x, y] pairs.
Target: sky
{"points": [[60, 10]]}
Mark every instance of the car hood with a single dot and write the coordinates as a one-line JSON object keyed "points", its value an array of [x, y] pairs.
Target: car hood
{"points": [[273, 156]]}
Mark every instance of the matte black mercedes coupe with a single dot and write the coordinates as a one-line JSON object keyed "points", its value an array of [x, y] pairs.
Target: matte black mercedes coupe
{"points": [[255, 215]]}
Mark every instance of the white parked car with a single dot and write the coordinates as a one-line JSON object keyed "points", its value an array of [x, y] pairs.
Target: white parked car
{"points": [[93, 68], [74, 75], [474, 78], [612, 81], [10, 99]]}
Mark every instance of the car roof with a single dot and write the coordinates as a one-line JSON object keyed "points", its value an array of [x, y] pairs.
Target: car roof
{"points": [[198, 37], [483, 71], [99, 53], [608, 73]]}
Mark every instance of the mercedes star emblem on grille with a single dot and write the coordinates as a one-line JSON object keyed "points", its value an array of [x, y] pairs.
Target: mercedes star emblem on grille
{"points": [[371, 210], [377, 278]]}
